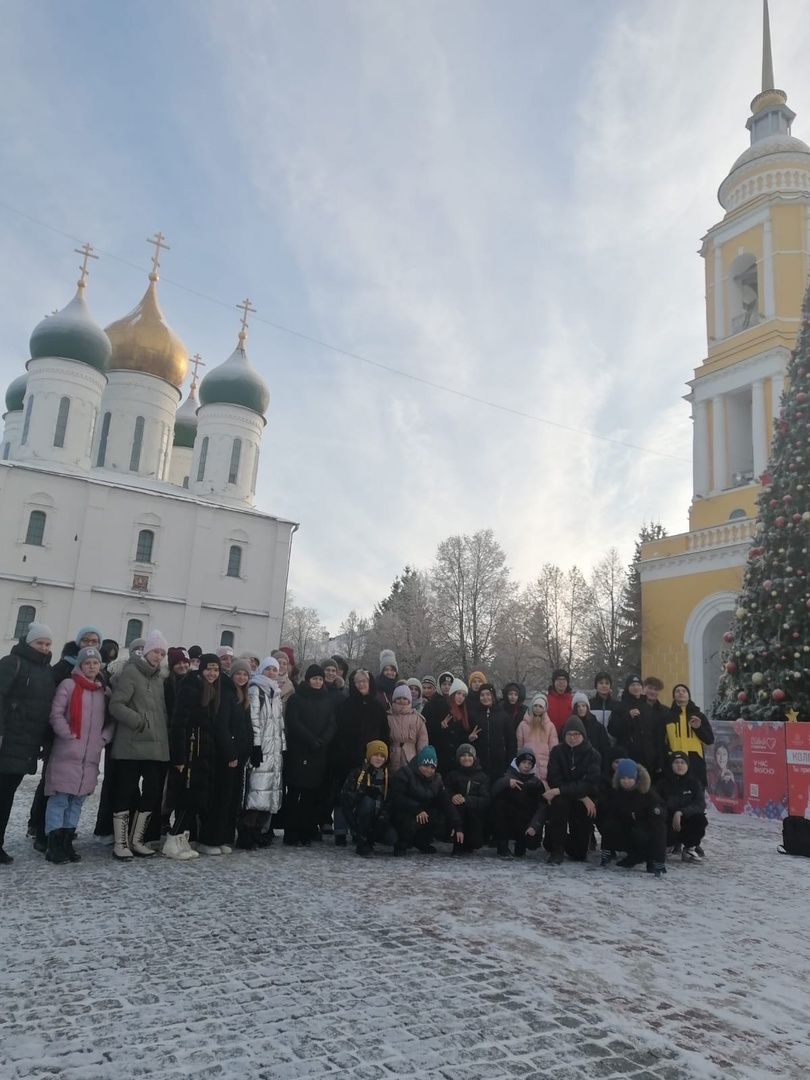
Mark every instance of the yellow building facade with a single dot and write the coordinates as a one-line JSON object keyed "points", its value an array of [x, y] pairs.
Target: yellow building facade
{"points": [[756, 265]]}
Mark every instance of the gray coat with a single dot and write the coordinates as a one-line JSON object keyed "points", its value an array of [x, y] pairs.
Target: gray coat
{"points": [[139, 709]]}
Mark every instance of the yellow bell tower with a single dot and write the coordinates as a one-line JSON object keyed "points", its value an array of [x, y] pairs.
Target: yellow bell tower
{"points": [[756, 263]]}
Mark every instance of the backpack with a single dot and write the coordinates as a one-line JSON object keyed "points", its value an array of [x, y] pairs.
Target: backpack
{"points": [[795, 836]]}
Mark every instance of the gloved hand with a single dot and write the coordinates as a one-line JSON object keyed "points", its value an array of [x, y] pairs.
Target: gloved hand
{"points": [[658, 868], [256, 757]]}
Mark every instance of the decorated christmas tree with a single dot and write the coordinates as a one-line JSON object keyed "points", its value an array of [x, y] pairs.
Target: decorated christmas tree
{"points": [[767, 658]]}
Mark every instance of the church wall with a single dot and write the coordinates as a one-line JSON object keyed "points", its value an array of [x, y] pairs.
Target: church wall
{"points": [[86, 566]]}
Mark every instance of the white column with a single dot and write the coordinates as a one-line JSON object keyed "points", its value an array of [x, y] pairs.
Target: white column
{"points": [[777, 386], [768, 301], [719, 458], [700, 449], [719, 307], [759, 429]]}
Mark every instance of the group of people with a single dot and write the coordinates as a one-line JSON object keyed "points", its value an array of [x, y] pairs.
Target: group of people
{"points": [[206, 752]]}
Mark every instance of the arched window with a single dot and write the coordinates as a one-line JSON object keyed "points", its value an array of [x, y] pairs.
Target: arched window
{"points": [[234, 561], [102, 440], [236, 456], [137, 445], [185, 482], [61, 422], [35, 533], [6, 451], [227, 638], [146, 541], [27, 421], [134, 630], [743, 293], [203, 458], [25, 616], [735, 515]]}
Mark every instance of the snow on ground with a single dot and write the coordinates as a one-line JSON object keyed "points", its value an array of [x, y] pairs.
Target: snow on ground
{"points": [[308, 963]]}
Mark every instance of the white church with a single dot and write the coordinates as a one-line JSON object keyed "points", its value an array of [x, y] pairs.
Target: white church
{"points": [[122, 510]]}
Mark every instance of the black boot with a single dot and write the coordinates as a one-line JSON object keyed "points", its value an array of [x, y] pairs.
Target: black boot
{"points": [[520, 849], [41, 843], [56, 847], [503, 851], [245, 839], [5, 858], [70, 851], [340, 840]]}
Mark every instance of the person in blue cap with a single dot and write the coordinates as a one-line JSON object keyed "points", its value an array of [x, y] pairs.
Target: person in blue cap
{"points": [[422, 809], [634, 820]]}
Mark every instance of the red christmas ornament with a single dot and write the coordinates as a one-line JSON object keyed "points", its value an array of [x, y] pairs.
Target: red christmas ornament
{"points": [[778, 695], [767, 585], [797, 518], [731, 667], [780, 521], [774, 503], [728, 637], [742, 697], [801, 397], [787, 499]]}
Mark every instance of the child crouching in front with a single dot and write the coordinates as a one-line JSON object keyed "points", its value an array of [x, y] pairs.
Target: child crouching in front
{"points": [[515, 799], [468, 788], [82, 729], [366, 803]]}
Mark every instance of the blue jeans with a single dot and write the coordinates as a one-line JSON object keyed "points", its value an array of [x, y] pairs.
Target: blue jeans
{"points": [[371, 828], [63, 811]]}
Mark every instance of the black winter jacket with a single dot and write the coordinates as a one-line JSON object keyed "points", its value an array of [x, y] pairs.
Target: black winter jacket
{"points": [[194, 735], [600, 740], [602, 708], [496, 743], [26, 693], [411, 793], [237, 727], [684, 793], [642, 806], [642, 735], [310, 724], [364, 783], [360, 719], [524, 798], [473, 784], [575, 770]]}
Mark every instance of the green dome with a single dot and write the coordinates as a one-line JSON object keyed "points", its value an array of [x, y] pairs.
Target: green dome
{"points": [[236, 382], [72, 335], [185, 421], [15, 395]]}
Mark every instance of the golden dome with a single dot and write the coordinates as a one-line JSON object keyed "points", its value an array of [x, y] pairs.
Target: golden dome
{"points": [[144, 341]]}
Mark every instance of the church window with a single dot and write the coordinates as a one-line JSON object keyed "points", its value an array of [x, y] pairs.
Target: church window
{"points": [[185, 482], [234, 561], [744, 293], [6, 451], [102, 442], [236, 454], [146, 541], [227, 638], [35, 534], [134, 630], [203, 458], [25, 616], [137, 445], [735, 515], [61, 422], [27, 421]]}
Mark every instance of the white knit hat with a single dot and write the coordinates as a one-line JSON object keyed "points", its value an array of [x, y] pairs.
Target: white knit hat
{"points": [[155, 640], [457, 685]]}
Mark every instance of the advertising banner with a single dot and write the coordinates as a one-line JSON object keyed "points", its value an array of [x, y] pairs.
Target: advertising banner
{"points": [[724, 764], [797, 751], [747, 769]]}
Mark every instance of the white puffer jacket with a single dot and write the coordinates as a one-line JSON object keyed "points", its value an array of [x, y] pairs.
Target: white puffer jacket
{"points": [[263, 786]]}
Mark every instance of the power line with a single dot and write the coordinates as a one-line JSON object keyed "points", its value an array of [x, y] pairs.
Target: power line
{"points": [[357, 356]]}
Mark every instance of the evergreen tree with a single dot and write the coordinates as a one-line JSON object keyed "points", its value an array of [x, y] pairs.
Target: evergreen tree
{"points": [[630, 634], [767, 660]]}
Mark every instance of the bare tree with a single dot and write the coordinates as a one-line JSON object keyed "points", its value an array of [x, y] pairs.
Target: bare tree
{"points": [[351, 640], [302, 629], [472, 592], [404, 622], [519, 655], [603, 647], [562, 600]]}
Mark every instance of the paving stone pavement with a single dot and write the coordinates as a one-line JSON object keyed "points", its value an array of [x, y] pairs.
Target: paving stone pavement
{"points": [[313, 963]]}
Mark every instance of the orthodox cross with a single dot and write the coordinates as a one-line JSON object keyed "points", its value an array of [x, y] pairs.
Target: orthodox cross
{"points": [[87, 252], [197, 362], [159, 242]]}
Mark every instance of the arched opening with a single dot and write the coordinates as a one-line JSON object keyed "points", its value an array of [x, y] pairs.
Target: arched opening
{"points": [[29, 405], [236, 456], [61, 422], [712, 651], [35, 533], [227, 638], [146, 541], [703, 636], [234, 561], [735, 515], [25, 616], [743, 293], [203, 459], [102, 441], [134, 630], [137, 445]]}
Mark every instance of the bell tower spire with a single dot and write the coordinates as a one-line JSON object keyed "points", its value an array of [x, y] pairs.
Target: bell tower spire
{"points": [[770, 114]]}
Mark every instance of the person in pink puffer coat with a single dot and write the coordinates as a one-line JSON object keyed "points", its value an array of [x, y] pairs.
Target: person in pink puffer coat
{"points": [[537, 733], [407, 733], [82, 729]]}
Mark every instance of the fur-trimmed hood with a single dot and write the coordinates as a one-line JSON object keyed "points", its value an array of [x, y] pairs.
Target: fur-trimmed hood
{"points": [[643, 784]]}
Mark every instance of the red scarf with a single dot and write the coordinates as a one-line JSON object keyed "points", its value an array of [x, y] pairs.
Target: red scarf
{"points": [[76, 702]]}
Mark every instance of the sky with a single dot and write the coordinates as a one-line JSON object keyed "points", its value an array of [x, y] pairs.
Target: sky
{"points": [[469, 230]]}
